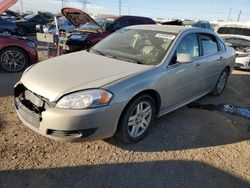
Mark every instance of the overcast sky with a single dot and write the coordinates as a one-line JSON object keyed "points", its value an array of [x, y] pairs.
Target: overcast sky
{"points": [[190, 9]]}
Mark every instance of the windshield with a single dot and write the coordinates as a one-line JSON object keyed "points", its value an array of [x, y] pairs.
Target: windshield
{"points": [[145, 47], [104, 23], [234, 31]]}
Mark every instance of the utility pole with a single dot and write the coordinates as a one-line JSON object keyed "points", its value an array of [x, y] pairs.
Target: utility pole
{"points": [[229, 15], [21, 3], [84, 5], [62, 3], [239, 16], [120, 7]]}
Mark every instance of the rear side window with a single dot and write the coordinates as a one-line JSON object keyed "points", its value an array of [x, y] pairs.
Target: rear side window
{"points": [[222, 46], [209, 44]]}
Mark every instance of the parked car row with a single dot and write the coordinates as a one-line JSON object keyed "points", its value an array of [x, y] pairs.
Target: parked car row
{"points": [[80, 31]]}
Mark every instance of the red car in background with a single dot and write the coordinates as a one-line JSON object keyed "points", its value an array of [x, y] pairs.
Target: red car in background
{"points": [[16, 53], [89, 31]]}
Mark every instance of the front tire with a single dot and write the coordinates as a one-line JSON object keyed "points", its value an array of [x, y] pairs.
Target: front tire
{"points": [[13, 60], [136, 119], [221, 83]]}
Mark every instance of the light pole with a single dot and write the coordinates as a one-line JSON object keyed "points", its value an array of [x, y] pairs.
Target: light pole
{"points": [[21, 3], [120, 7]]}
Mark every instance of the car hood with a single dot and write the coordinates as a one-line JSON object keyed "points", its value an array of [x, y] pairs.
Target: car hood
{"points": [[14, 14], [5, 4], [79, 18], [76, 71]]}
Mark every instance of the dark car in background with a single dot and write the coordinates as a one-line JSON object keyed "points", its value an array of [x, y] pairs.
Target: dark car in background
{"points": [[7, 27], [28, 23], [16, 53], [202, 24], [90, 31]]}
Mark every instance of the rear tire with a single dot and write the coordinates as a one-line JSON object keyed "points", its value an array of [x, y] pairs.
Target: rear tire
{"points": [[136, 119], [221, 83], [13, 59]]}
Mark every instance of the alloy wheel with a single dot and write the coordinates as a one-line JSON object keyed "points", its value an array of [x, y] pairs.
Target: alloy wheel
{"points": [[139, 119], [13, 60], [222, 82]]}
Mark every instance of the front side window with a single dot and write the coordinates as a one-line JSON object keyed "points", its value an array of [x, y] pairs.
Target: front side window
{"points": [[209, 44], [189, 45], [140, 46]]}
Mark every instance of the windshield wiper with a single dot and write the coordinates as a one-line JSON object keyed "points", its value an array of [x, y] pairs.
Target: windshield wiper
{"points": [[125, 59]]}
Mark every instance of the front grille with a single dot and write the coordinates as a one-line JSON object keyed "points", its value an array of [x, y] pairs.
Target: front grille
{"points": [[28, 115], [30, 105]]}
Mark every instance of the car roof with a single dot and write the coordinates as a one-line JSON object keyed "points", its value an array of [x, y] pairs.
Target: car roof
{"points": [[165, 28]]}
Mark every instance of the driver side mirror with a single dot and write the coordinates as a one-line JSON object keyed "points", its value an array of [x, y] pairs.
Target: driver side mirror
{"points": [[184, 58]]}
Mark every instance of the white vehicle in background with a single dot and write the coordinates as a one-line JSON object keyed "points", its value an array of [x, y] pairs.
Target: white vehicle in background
{"points": [[237, 35]]}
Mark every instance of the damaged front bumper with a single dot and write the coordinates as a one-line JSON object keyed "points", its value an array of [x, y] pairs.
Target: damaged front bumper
{"points": [[65, 124]]}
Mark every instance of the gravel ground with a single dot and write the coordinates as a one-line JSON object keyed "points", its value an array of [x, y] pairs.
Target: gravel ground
{"points": [[186, 148]]}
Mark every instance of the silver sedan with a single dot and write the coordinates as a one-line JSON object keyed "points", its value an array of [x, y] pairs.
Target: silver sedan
{"points": [[119, 86]]}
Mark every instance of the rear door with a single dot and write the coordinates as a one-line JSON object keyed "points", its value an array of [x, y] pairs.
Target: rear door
{"points": [[212, 59], [184, 81]]}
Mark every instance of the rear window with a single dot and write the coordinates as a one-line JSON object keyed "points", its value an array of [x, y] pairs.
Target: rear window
{"points": [[234, 31]]}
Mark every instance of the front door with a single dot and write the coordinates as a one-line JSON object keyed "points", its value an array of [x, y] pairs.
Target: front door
{"points": [[184, 81]]}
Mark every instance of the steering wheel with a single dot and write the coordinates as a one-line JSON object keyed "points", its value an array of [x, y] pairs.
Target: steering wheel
{"points": [[155, 54]]}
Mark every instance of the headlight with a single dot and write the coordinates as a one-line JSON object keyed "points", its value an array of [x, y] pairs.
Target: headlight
{"points": [[85, 99], [31, 44]]}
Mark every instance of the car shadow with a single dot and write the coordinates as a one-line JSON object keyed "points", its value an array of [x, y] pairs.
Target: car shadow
{"points": [[175, 173], [188, 128]]}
